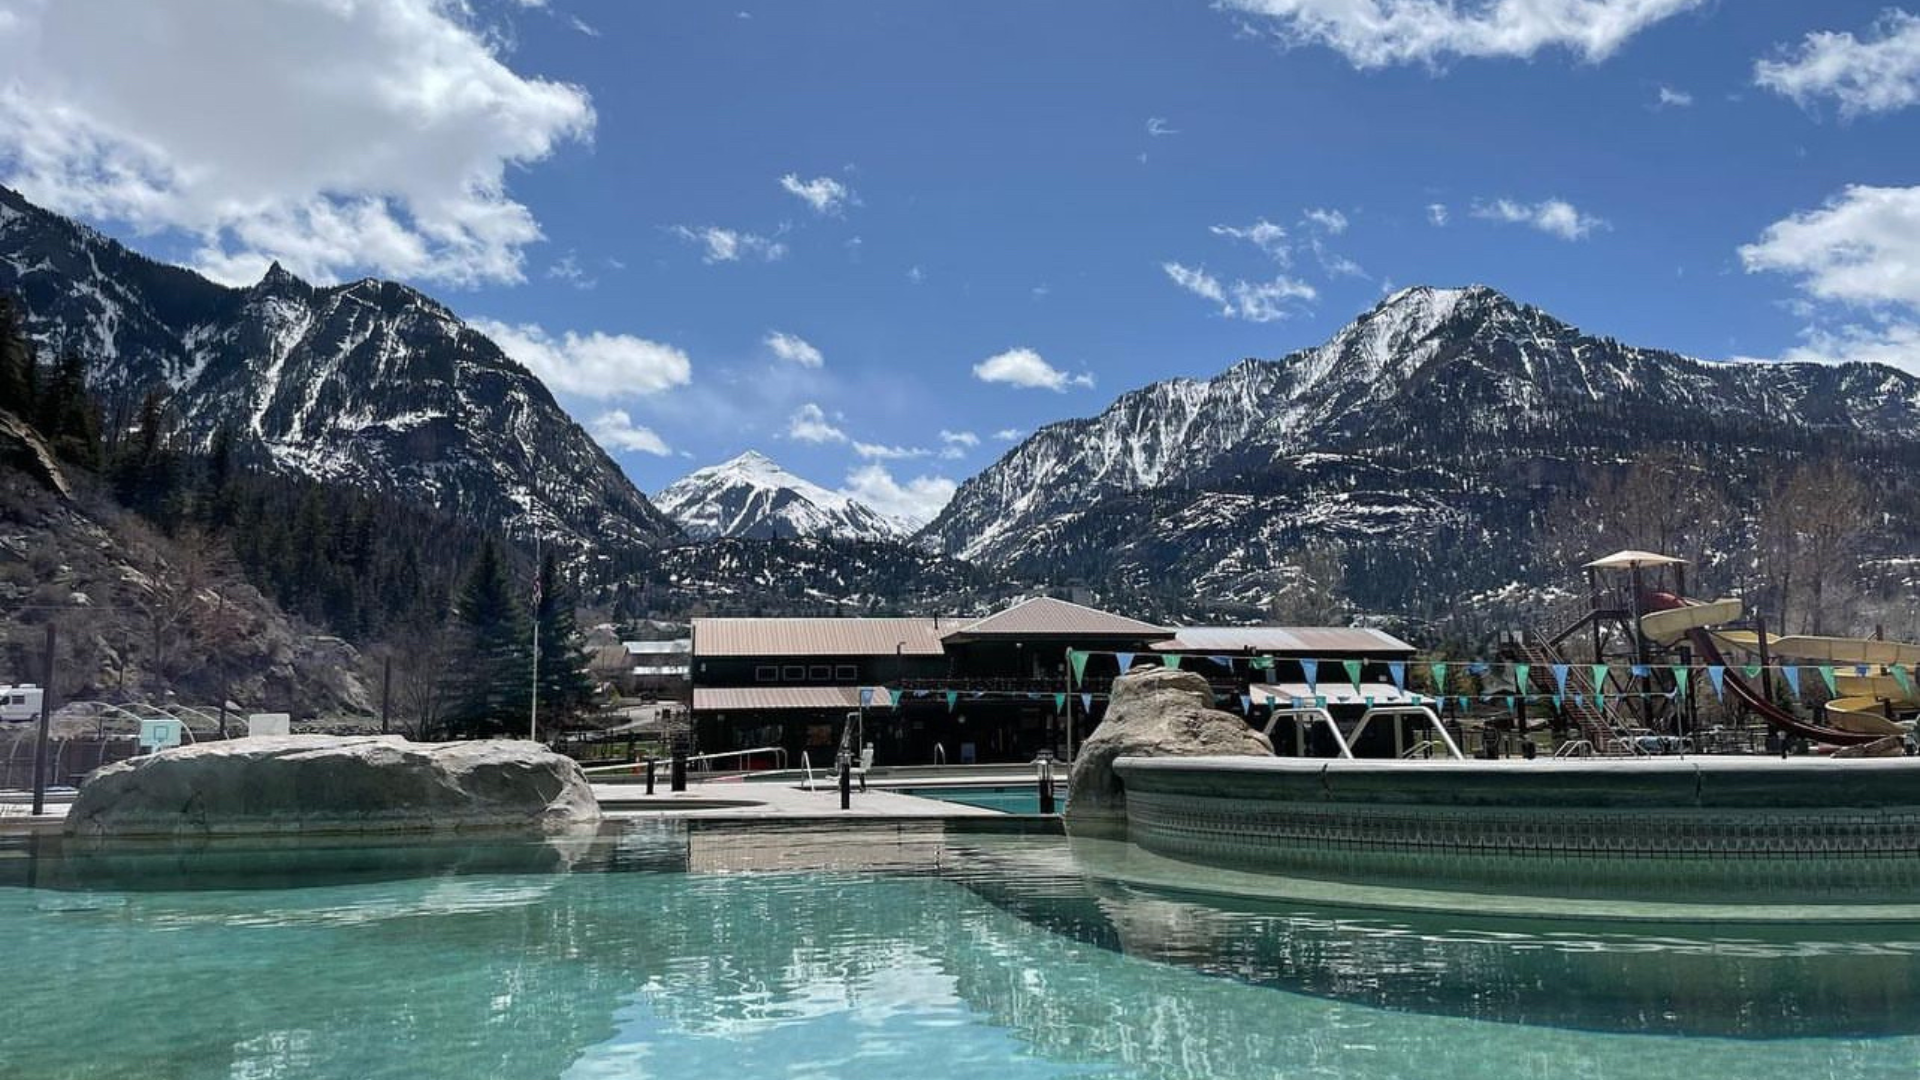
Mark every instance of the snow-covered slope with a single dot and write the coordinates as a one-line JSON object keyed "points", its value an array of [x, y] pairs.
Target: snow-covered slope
{"points": [[1427, 435], [369, 383], [751, 497]]}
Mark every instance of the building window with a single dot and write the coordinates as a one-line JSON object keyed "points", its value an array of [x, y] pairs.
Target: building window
{"points": [[794, 673], [766, 673], [846, 673], [820, 673]]}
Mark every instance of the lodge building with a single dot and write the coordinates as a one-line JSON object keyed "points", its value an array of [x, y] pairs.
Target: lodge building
{"points": [[998, 688]]}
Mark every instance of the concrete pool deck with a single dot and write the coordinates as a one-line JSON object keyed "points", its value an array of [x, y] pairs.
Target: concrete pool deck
{"points": [[744, 800]]}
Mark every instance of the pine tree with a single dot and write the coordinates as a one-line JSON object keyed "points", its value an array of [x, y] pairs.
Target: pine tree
{"points": [[492, 668], [565, 687], [18, 374]]}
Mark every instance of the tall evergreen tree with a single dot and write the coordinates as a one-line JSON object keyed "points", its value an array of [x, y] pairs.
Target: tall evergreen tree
{"points": [[18, 374], [492, 669], [565, 687]]}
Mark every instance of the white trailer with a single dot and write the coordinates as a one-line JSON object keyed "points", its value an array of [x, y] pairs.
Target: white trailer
{"points": [[20, 703]]}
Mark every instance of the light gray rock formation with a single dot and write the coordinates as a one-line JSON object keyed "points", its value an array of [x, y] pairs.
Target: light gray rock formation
{"points": [[326, 783], [1155, 712]]}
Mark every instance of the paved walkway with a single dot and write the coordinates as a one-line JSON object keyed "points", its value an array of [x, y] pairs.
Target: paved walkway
{"points": [[739, 799]]}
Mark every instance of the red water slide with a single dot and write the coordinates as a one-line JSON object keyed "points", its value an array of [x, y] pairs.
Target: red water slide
{"points": [[1707, 651]]}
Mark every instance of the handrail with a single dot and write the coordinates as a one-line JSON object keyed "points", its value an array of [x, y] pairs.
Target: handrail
{"points": [[1309, 713], [940, 754], [806, 765], [1422, 711], [1574, 748]]}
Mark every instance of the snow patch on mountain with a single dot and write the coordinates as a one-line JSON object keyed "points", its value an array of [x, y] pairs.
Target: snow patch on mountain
{"points": [[752, 497]]}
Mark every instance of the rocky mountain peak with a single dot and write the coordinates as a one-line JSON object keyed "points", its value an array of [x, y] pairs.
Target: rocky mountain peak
{"points": [[750, 496]]}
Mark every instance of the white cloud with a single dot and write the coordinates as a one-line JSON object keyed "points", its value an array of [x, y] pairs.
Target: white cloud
{"points": [[567, 268], [730, 245], [1878, 75], [794, 348], [1674, 99], [825, 194], [593, 365], [1262, 234], [337, 137], [1008, 434], [1437, 214], [1859, 253], [1379, 33], [1158, 127], [1332, 222], [955, 444], [615, 430], [1555, 217], [1862, 247], [918, 500], [809, 423], [1254, 301], [1025, 368], [583, 26], [882, 452], [915, 275]]}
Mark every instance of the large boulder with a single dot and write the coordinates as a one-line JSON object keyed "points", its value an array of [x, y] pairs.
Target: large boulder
{"points": [[326, 783], [1155, 712]]}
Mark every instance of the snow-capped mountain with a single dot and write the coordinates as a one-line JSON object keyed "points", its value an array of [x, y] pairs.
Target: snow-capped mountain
{"points": [[1429, 435], [369, 383], [751, 497]]}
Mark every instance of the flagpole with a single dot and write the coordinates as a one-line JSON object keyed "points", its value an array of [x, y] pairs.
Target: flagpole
{"points": [[533, 713]]}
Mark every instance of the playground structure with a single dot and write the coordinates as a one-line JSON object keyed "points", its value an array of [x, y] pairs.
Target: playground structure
{"points": [[1659, 647]]}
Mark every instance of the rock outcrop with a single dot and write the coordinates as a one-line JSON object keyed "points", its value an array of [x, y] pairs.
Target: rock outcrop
{"points": [[332, 784], [1156, 712]]}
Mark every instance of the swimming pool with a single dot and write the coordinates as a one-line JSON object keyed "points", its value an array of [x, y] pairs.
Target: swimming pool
{"points": [[655, 950], [1007, 798]]}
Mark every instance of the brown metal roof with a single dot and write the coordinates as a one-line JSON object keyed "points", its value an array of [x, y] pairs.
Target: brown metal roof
{"points": [[1043, 616], [1308, 641], [774, 698], [817, 637]]}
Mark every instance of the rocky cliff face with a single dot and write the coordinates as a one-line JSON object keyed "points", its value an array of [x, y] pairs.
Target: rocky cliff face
{"points": [[369, 383], [1428, 435]]}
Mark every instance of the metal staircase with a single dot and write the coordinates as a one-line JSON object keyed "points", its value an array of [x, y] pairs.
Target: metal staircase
{"points": [[1600, 726]]}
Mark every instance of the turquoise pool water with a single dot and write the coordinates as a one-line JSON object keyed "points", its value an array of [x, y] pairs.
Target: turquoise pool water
{"points": [[663, 954], [1008, 799]]}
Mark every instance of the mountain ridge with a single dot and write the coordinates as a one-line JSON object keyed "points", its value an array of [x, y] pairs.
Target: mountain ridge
{"points": [[368, 382], [752, 497]]}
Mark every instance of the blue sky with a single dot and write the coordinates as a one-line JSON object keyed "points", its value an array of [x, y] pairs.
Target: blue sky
{"points": [[812, 228]]}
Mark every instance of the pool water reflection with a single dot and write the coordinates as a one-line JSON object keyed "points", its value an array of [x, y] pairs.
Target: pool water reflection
{"points": [[955, 956]]}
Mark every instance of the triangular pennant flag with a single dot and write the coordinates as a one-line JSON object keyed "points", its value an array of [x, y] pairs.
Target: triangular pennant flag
{"points": [[1465, 703], [1353, 673], [952, 698], [1580, 700], [1439, 672], [866, 696], [1319, 702], [1171, 659], [1558, 702], [1751, 671], [1246, 704], [1223, 661], [1826, 676], [1059, 703], [1600, 678], [1717, 674], [1086, 703], [1520, 677], [1509, 701], [1310, 670], [1261, 663], [1861, 670], [1078, 661], [1125, 660], [1397, 670], [1793, 678], [1640, 671], [1901, 677], [1681, 675], [1560, 676], [1478, 667]]}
